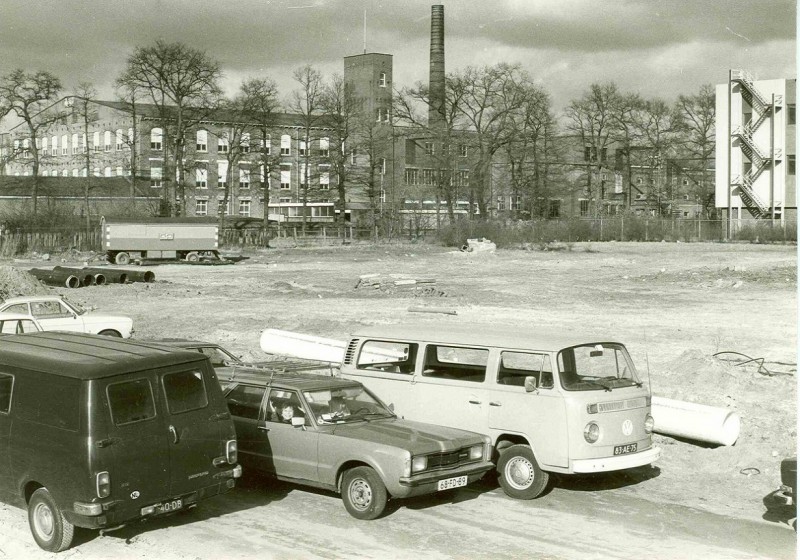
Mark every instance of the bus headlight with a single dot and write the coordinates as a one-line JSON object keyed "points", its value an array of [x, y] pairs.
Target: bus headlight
{"points": [[648, 424], [419, 463], [591, 432]]}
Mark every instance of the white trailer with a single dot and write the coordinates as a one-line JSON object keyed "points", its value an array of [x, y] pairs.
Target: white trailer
{"points": [[127, 239]]}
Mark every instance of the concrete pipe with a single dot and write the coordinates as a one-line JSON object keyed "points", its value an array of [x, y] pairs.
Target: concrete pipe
{"points": [[56, 277], [111, 275], [287, 343], [84, 275], [699, 422], [141, 276]]}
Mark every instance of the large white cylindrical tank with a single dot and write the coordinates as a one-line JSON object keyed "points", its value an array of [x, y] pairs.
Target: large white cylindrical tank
{"points": [[305, 346], [699, 422]]}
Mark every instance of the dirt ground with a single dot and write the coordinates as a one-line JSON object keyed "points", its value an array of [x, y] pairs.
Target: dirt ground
{"points": [[674, 305]]}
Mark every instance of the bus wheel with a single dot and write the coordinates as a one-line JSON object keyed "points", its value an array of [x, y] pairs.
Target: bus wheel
{"points": [[520, 475]]}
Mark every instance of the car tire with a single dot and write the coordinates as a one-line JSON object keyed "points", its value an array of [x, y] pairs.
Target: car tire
{"points": [[520, 474], [363, 493], [110, 332], [122, 258], [51, 531]]}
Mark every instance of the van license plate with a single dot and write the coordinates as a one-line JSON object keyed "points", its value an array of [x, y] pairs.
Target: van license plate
{"points": [[625, 449], [448, 483], [167, 507]]}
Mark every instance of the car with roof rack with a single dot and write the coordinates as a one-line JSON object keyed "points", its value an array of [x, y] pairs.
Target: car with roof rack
{"points": [[334, 434]]}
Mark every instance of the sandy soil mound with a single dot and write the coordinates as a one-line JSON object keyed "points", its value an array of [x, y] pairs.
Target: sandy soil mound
{"points": [[16, 282]]}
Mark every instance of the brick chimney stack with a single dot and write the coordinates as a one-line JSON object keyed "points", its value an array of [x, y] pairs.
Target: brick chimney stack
{"points": [[436, 115]]}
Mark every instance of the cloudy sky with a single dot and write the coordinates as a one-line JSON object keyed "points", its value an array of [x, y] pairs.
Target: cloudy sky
{"points": [[654, 47]]}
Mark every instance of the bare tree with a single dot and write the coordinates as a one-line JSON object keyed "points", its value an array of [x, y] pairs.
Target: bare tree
{"points": [[183, 83], [28, 96], [698, 114], [82, 107], [306, 102]]}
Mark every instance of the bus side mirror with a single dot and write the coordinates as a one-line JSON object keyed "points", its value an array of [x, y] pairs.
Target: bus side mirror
{"points": [[531, 384]]}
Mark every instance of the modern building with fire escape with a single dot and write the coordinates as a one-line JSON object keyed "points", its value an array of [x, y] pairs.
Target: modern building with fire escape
{"points": [[755, 172]]}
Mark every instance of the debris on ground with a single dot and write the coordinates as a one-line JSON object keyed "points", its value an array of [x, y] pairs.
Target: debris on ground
{"points": [[16, 282], [395, 283], [479, 245]]}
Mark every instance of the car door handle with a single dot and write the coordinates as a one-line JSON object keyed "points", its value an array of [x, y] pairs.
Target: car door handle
{"points": [[263, 428], [174, 433], [474, 401], [495, 403]]}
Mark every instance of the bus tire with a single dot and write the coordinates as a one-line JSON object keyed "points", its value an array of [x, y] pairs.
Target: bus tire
{"points": [[520, 474]]}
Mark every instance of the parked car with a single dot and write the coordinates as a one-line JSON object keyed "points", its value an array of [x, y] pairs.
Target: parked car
{"points": [[334, 434], [57, 313], [15, 323], [96, 432], [223, 361], [789, 480]]}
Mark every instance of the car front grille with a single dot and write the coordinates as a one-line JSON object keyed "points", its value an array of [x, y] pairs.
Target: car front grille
{"points": [[445, 460]]}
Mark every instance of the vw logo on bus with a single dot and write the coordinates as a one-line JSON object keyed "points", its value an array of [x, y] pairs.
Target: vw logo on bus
{"points": [[627, 427]]}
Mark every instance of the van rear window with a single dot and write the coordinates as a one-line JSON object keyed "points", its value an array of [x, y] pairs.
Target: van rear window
{"points": [[131, 401], [6, 384], [185, 391]]}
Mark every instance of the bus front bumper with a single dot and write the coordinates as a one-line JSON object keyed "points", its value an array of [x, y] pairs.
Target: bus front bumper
{"points": [[603, 464]]}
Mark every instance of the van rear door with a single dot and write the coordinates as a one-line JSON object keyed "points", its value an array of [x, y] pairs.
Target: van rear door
{"points": [[194, 412], [6, 386], [136, 442]]}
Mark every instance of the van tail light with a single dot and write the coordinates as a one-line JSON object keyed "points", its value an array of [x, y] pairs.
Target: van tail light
{"points": [[231, 451], [103, 483]]}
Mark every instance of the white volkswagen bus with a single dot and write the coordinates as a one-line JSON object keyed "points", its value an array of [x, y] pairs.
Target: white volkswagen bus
{"points": [[558, 404]]}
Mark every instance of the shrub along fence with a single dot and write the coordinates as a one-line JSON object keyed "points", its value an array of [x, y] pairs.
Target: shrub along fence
{"points": [[504, 234]]}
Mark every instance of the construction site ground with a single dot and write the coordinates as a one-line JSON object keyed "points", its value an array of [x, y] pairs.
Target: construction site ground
{"points": [[674, 305]]}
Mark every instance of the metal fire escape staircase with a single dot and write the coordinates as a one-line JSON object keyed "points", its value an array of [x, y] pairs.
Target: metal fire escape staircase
{"points": [[758, 158]]}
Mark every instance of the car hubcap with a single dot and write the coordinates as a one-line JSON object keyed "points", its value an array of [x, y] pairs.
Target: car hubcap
{"points": [[360, 494], [519, 473], [43, 520]]}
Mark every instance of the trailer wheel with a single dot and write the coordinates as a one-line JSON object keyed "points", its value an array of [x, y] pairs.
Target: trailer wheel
{"points": [[192, 257], [122, 258]]}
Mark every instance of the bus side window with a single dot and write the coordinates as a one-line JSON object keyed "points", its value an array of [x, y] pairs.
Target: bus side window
{"points": [[516, 366]]}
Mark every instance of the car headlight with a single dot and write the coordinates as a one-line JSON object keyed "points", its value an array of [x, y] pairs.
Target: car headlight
{"points": [[591, 432], [476, 452], [419, 463], [648, 424]]}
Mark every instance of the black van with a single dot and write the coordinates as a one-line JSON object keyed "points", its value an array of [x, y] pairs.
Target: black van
{"points": [[98, 431]]}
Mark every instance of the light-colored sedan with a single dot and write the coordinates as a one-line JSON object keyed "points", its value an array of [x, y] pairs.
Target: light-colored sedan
{"points": [[14, 323], [56, 313]]}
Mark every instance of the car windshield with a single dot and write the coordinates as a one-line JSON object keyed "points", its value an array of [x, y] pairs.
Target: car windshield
{"points": [[596, 367], [345, 404], [75, 306]]}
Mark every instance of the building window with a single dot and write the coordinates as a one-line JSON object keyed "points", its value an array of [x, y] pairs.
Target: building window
{"points": [[222, 174], [156, 174], [201, 178], [129, 140], [74, 144], [266, 145], [286, 145], [201, 140], [462, 150], [245, 143], [201, 208], [462, 178], [324, 180], [554, 209], [120, 139], [222, 144], [302, 171], [382, 114], [790, 114], [790, 164], [584, 207], [302, 148], [428, 177], [107, 141], [353, 157], [44, 146], [244, 208], [515, 202], [244, 178], [156, 136], [382, 79], [118, 171], [382, 165], [429, 149], [286, 179], [96, 141], [324, 147], [286, 200], [501, 204], [75, 172], [226, 209]]}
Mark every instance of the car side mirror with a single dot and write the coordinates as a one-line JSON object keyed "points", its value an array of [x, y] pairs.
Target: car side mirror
{"points": [[298, 421], [531, 384], [391, 407]]}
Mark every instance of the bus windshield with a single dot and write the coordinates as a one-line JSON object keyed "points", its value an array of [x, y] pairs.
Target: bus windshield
{"points": [[596, 367]]}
